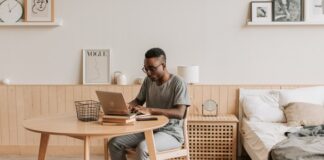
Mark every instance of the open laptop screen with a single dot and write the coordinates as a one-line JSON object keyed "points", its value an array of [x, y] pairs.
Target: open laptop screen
{"points": [[112, 103]]}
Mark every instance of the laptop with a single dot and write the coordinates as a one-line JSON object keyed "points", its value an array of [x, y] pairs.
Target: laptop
{"points": [[113, 103]]}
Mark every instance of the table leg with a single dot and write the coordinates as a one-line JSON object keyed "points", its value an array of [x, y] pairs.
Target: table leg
{"points": [[43, 146], [106, 152], [150, 144], [87, 148]]}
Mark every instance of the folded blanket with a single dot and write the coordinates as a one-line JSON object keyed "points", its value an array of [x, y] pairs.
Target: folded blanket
{"points": [[306, 143]]}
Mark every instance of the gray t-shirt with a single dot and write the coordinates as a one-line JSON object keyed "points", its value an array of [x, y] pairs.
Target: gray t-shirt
{"points": [[171, 93]]}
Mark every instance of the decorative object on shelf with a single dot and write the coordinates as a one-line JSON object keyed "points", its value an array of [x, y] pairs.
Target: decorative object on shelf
{"points": [[39, 10], [314, 10], [190, 74], [139, 80], [96, 66], [209, 108], [121, 79], [261, 11], [6, 81], [10, 11], [287, 10], [116, 74], [313, 13]]}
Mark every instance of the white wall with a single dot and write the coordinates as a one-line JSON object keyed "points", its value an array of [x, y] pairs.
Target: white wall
{"points": [[208, 33]]}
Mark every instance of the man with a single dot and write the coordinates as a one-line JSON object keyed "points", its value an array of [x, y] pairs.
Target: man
{"points": [[164, 94]]}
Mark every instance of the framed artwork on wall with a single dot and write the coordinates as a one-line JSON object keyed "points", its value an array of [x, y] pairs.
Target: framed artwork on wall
{"points": [[11, 11], [314, 10], [96, 66], [39, 10], [261, 11], [287, 10]]}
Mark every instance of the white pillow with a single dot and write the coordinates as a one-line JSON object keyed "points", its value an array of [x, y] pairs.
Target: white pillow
{"points": [[314, 95], [263, 108]]}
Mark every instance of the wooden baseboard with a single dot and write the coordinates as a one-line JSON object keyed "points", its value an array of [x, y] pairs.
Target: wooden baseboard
{"points": [[51, 150]]}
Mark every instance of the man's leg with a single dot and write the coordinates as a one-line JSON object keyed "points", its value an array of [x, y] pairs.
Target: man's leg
{"points": [[117, 146], [163, 141]]}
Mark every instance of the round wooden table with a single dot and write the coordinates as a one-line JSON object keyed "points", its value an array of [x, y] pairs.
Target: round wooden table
{"points": [[69, 125]]}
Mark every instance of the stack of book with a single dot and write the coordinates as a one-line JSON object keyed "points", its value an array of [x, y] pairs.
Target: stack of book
{"points": [[118, 119]]}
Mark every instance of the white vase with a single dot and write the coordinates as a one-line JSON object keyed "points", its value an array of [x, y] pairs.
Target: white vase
{"points": [[6, 81], [122, 79]]}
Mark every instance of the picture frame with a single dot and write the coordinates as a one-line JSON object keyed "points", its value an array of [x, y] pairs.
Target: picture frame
{"points": [[261, 11], [288, 10], [39, 10], [96, 66], [314, 10]]}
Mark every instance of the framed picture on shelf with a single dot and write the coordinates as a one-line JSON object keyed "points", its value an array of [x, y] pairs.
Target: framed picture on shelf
{"points": [[39, 10], [261, 11], [287, 10], [96, 66], [314, 10]]}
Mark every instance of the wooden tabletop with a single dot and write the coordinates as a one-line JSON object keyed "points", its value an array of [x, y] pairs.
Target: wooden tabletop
{"points": [[68, 124], [219, 118]]}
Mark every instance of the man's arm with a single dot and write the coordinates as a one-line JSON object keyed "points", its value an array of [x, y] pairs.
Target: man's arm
{"points": [[177, 112], [140, 98]]}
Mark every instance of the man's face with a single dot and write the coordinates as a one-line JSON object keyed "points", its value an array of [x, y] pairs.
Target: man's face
{"points": [[154, 68]]}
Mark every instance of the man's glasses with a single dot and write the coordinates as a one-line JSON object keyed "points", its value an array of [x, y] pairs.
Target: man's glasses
{"points": [[151, 68]]}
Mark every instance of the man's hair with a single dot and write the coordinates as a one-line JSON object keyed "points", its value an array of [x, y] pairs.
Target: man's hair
{"points": [[155, 52]]}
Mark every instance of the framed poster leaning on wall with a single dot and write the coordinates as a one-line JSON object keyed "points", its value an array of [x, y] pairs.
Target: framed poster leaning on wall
{"points": [[287, 10], [314, 10], [96, 66], [39, 10], [261, 11]]}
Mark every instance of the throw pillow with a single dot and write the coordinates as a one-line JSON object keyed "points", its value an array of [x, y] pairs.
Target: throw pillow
{"points": [[300, 113]]}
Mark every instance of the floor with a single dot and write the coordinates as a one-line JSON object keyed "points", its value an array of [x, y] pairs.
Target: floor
{"points": [[19, 157], [93, 157]]}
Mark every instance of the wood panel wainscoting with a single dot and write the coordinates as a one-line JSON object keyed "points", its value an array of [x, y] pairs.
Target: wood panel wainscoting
{"points": [[20, 102]]}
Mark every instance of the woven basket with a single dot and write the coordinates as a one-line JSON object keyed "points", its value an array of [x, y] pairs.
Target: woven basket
{"points": [[87, 110]]}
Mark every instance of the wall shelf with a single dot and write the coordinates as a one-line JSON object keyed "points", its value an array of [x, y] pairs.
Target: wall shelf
{"points": [[56, 23], [303, 23]]}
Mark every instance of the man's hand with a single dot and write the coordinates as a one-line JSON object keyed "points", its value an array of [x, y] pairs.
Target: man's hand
{"points": [[131, 106], [141, 109]]}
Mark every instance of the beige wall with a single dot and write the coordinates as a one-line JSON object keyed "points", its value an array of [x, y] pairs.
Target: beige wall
{"points": [[208, 33]]}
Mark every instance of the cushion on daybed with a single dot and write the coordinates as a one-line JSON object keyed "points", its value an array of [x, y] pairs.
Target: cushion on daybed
{"points": [[263, 108], [314, 95], [300, 113]]}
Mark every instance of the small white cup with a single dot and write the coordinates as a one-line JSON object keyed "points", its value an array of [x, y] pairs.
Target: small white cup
{"points": [[6, 81]]}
